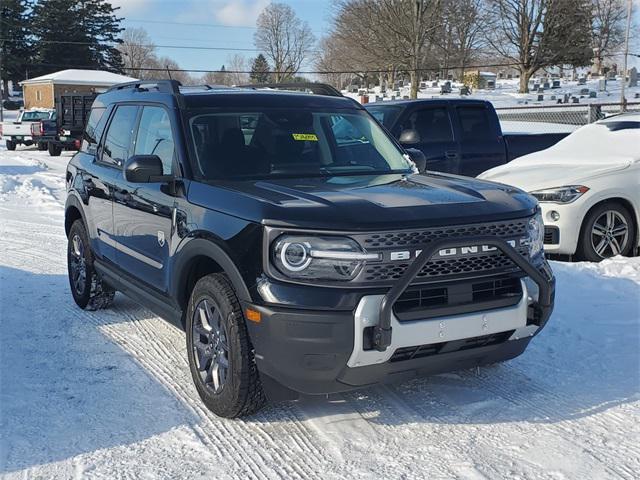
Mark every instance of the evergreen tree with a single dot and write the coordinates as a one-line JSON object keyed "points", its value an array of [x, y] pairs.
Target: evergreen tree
{"points": [[260, 70], [76, 34], [15, 48]]}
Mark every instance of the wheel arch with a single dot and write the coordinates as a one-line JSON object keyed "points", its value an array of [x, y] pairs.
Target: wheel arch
{"points": [[625, 202], [200, 257], [72, 212]]}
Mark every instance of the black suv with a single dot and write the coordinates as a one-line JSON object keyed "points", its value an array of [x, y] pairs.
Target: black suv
{"points": [[296, 242]]}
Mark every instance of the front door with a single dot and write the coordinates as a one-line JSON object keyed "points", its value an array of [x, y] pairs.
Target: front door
{"points": [[143, 213], [436, 137]]}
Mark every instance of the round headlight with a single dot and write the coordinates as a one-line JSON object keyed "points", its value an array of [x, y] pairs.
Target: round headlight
{"points": [[295, 256]]}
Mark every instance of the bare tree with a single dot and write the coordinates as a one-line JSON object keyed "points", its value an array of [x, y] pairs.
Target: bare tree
{"points": [[390, 34], [467, 19], [607, 29], [237, 65], [284, 38], [535, 34], [137, 49]]}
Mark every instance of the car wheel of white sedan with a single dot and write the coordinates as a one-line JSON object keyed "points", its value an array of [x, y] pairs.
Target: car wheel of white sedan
{"points": [[607, 231]]}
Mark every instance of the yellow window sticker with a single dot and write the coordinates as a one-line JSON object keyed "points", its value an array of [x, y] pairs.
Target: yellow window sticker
{"points": [[305, 137]]}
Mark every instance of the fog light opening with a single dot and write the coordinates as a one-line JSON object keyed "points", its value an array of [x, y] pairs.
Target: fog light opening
{"points": [[553, 215]]}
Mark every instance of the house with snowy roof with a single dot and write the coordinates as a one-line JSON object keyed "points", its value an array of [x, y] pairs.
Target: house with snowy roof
{"points": [[42, 91]]}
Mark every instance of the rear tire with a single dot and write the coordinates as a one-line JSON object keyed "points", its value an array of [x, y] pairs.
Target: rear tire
{"points": [[11, 145], [88, 290], [607, 230], [221, 357], [54, 150]]}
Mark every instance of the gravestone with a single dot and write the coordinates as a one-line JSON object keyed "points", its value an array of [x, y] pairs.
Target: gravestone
{"points": [[541, 90], [378, 98], [400, 83], [536, 86], [556, 84], [582, 81], [540, 98], [434, 84], [584, 91], [566, 98], [446, 88], [545, 85], [602, 85], [553, 97], [633, 77], [464, 90], [575, 100], [593, 94], [405, 97]]}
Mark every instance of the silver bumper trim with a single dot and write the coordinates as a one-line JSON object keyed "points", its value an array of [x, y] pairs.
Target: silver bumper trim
{"points": [[443, 329]]}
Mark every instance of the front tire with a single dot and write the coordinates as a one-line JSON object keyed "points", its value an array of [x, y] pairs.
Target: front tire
{"points": [[221, 357], [88, 290], [11, 145], [607, 230]]}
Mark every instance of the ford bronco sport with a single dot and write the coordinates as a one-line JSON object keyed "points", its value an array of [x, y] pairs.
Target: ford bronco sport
{"points": [[299, 246]]}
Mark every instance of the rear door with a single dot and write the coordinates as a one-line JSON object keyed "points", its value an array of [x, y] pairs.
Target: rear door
{"points": [[143, 213], [481, 144], [436, 135]]}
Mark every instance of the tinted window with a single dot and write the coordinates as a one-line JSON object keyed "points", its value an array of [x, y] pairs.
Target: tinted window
{"points": [[432, 124], [35, 116], [475, 123], [292, 142], [155, 137], [95, 126], [118, 138], [386, 115]]}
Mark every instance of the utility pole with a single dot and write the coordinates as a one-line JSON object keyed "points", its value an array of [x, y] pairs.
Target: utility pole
{"points": [[623, 100]]}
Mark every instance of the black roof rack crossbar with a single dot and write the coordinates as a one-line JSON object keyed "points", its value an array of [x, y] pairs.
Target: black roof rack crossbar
{"points": [[165, 86], [316, 88]]}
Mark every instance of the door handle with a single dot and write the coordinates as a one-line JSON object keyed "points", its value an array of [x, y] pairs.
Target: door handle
{"points": [[451, 154]]}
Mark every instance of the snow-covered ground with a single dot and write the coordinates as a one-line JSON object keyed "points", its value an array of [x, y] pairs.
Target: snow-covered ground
{"points": [[108, 394]]}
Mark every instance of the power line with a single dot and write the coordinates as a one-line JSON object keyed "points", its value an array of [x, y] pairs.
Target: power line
{"points": [[207, 25]]}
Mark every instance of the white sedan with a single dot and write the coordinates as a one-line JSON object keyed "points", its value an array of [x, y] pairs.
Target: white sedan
{"points": [[588, 187]]}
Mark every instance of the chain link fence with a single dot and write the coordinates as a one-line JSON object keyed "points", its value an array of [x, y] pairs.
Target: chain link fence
{"points": [[556, 118]]}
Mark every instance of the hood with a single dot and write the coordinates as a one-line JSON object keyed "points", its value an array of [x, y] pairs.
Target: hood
{"points": [[365, 202], [538, 171]]}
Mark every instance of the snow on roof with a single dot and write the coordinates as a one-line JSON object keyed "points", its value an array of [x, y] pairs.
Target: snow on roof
{"points": [[98, 78]]}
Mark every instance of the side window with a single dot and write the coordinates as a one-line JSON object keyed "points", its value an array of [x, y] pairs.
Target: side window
{"points": [[432, 124], [155, 137], [118, 138], [475, 123], [93, 130]]}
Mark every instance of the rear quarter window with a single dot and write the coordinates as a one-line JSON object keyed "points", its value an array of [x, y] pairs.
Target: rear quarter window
{"points": [[93, 130]]}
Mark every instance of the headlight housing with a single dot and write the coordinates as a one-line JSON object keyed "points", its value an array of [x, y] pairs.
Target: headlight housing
{"points": [[319, 258], [535, 235], [565, 194]]}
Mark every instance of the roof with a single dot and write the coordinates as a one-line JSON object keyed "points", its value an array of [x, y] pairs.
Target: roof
{"points": [[436, 100], [244, 97], [98, 78]]}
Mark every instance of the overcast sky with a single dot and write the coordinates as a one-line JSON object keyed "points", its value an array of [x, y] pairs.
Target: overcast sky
{"points": [[229, 24]]}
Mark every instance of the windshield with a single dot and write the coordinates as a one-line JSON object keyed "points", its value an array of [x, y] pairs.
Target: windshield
{"points": [[386, 114], [269, 143], [35, 116]]}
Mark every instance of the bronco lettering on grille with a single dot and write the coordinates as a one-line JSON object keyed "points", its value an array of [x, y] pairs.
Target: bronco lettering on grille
{"points": [[449, 252]]}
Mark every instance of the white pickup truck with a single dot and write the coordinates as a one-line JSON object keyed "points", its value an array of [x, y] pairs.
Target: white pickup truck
{"points": [[18, 132]]}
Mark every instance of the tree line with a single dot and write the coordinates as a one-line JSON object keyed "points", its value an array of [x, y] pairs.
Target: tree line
{"points": [[369, 41]]}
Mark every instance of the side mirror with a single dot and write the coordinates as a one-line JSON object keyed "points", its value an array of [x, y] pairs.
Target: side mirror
{"points": [[418, 158], [409, 137], [144, 169]]}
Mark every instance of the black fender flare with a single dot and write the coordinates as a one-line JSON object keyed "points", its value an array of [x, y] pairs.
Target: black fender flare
{"points": [[195, 247], [75, 202]]}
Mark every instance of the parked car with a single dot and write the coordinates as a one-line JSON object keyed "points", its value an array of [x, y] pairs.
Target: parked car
{"points": [[11, 104], [296, 259], [588, 186], [64, 130], [458, 136], [18, 132]]}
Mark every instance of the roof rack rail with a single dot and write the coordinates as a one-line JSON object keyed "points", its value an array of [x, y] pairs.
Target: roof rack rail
{"points": [[165, 86], [316, 88]]}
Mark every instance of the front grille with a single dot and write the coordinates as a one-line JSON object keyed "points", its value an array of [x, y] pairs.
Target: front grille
{"points": [[481, 263], [445, 267], [421, 351], [514, 228], [421, 303]]}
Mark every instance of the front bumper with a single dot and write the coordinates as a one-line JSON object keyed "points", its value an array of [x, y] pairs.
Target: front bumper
{"points": [[565, 242], [325, 351]]}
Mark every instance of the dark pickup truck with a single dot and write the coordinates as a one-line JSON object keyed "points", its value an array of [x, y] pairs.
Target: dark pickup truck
{"points": [[457, 136], [64, 130]]}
